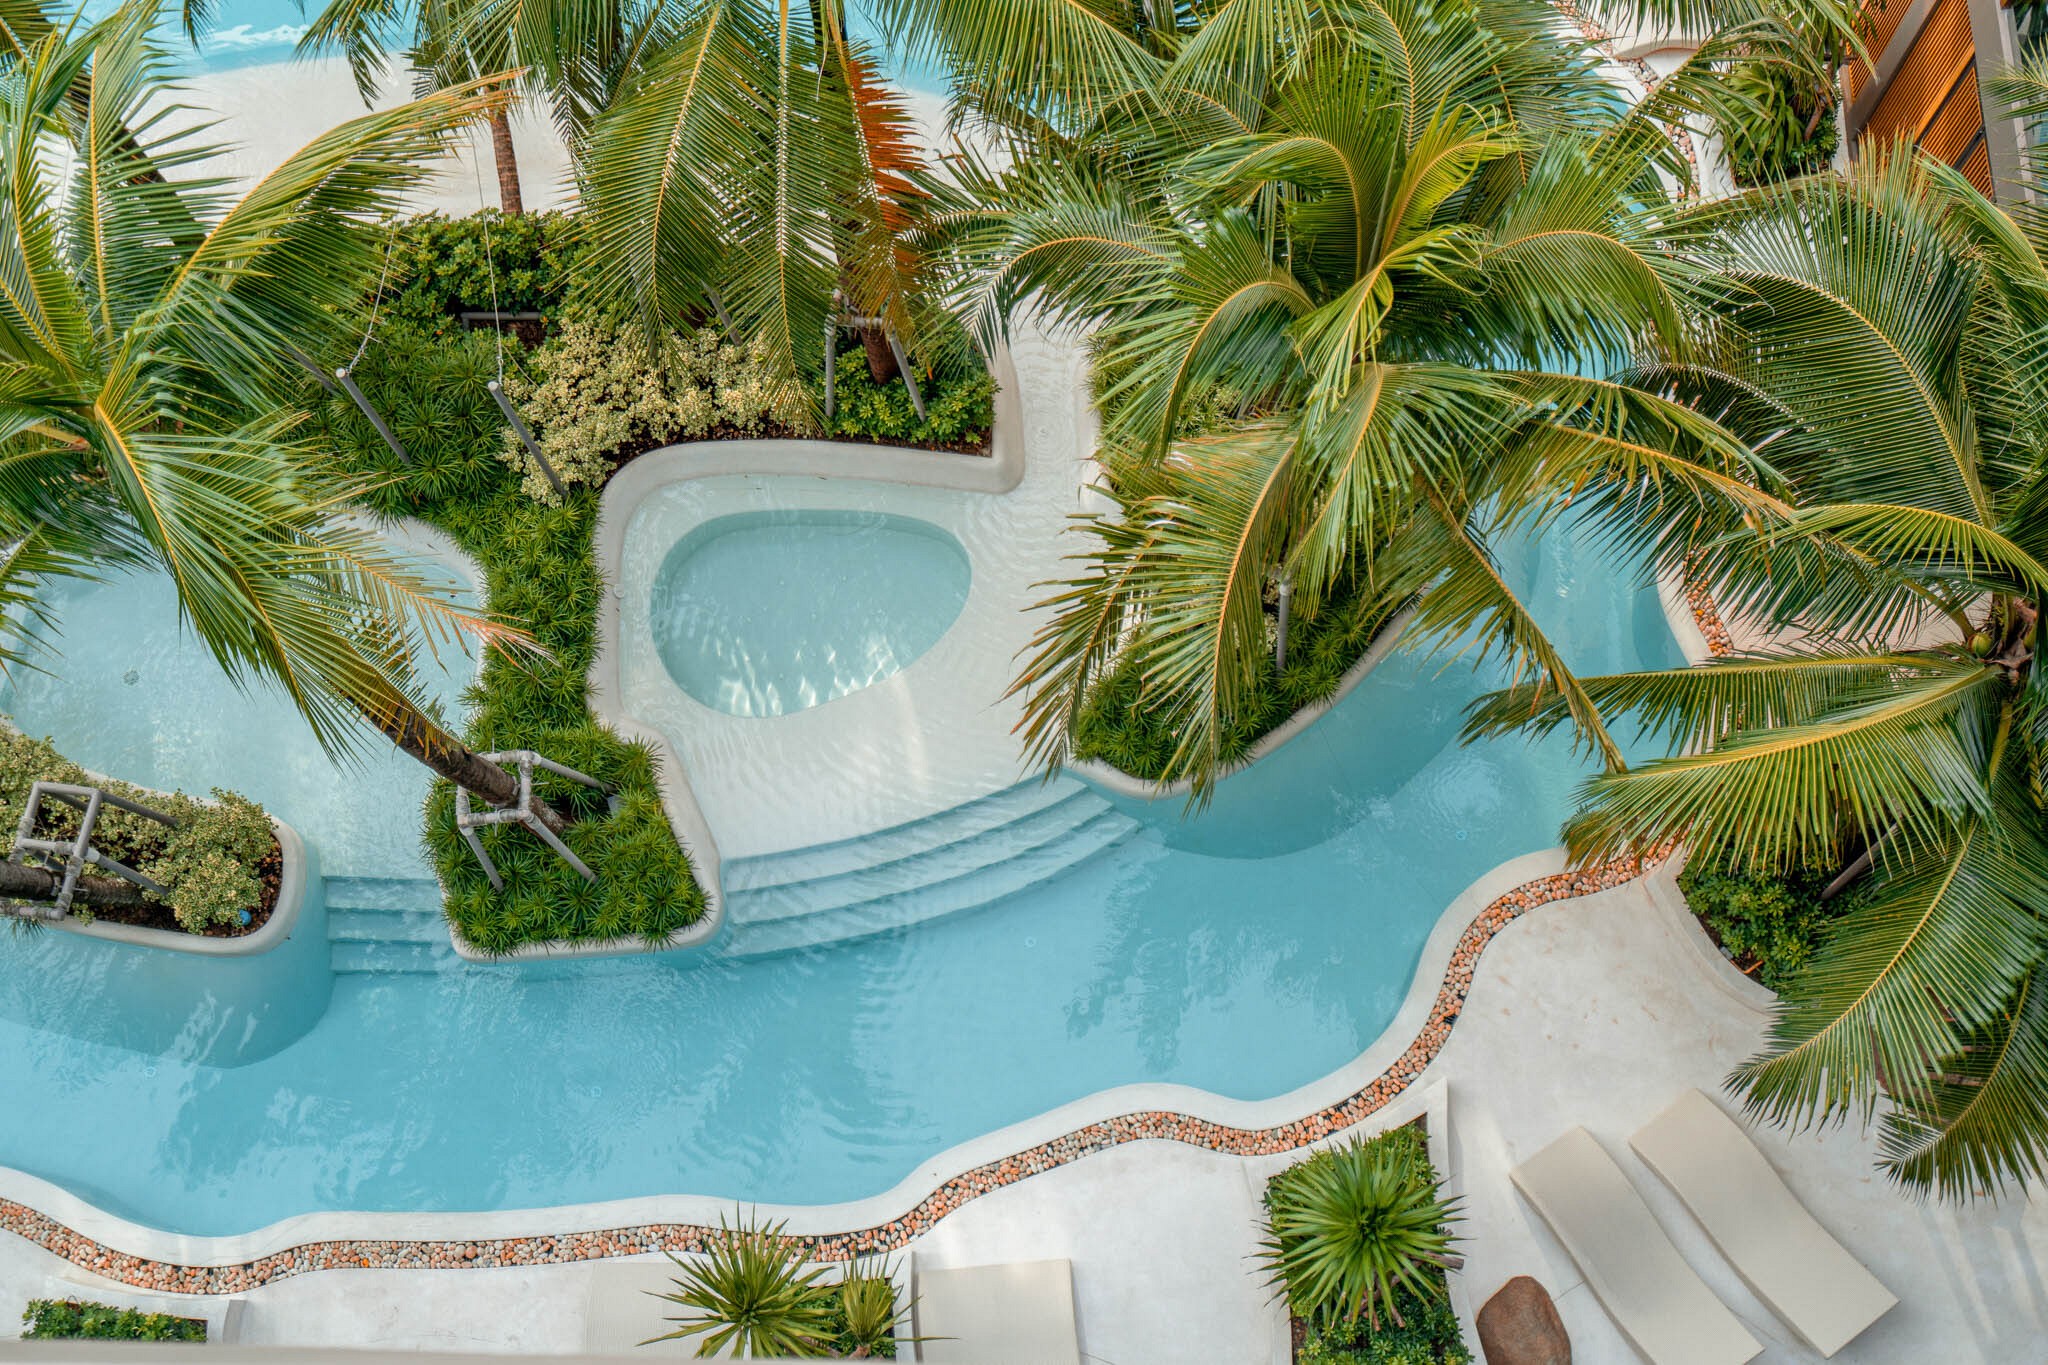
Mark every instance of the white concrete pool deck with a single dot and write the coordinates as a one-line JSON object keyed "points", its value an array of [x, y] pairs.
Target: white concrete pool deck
{"points": [[1593, 1011]]}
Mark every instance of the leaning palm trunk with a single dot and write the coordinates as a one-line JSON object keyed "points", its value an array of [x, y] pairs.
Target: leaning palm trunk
{"points": [[416, 733], [21, 882]]}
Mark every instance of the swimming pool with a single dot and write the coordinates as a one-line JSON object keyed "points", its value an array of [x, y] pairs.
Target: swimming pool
{"points": [[765, 613], [1246, 951]]}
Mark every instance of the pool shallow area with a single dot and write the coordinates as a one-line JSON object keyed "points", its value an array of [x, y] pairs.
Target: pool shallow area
{"points": [[1246, 951], [765, 613]]}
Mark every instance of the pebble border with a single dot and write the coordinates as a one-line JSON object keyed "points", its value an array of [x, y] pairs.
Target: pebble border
{"points": [[1146, 1125], [1707, 616]]}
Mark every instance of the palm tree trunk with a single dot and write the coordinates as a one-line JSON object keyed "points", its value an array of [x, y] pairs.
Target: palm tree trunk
{"points": [[881, 359], [507, 159], [450, 758], [20, 882]]}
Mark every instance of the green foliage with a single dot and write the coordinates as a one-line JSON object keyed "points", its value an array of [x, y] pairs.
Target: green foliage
{"points": [[1771, 143], [1359, 1230], [1776, 922], [1118, 725], [59, 1319], [441, 266], [207, 863], [959, 407], [594, 396], [1428, 1335], [866, 1313], [540, 574], [750, 1295]]}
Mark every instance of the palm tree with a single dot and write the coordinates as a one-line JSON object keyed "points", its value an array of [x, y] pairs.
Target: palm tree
{"points": [[564, 52], [1881, 340], [756, 165], [1383, 241], [149, 395]]}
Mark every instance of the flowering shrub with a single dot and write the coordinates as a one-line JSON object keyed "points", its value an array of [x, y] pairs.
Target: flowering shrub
{"points": [[595, 396], [207, 863]]}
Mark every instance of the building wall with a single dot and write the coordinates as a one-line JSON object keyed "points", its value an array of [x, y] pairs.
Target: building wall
{"points": [[1924, 85]]}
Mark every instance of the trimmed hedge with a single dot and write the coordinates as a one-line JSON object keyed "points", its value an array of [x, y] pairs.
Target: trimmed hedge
{"points": [[540, 572], [74, 1319], [440, 267]]}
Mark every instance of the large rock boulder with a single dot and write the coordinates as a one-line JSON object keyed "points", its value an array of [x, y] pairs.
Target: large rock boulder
{"points": [[1519, 1326]]}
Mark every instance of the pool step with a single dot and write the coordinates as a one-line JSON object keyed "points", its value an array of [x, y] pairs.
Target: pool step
{"points": [[381, 925], [958, 860]]}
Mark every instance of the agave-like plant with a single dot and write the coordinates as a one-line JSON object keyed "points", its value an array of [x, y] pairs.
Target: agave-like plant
{"points": [[1352, 1229], [1379, 246], [870, 1312], [150, 390], [751, 1294], [1882, 339]]}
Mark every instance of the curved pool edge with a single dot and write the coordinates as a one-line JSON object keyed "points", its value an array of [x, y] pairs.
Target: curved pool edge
{"points": [[93, 1239], [1116, 780], [995, 473]]}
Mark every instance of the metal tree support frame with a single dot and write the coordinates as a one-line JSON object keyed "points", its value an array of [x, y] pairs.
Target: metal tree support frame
{"points": [[525, 437], [73, 854], [521, 812]]}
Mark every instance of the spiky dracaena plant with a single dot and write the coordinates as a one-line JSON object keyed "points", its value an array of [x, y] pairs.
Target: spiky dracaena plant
{"points": [[149, 394], [1395, 231], [750, 1295], [1883, 340], [1351, 1229]]}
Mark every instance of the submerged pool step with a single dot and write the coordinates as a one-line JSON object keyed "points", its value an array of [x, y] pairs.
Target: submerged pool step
{"points": [[982, 884], [887, 874], [387, 924], [956, 825]]}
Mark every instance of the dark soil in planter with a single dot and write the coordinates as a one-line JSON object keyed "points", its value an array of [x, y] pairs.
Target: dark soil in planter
{"points": [[270, 872]]}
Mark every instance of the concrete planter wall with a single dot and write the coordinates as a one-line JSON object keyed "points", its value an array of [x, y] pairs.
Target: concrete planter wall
{"points": [[284, 917], [995, 473], [1120, 783]]}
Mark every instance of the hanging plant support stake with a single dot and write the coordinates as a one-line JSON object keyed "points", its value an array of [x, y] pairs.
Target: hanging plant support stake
{"points": [[73, 854], [520, 812], [903, 368], [525, 436], [342, 376], [831, 367], [1280, 636]]}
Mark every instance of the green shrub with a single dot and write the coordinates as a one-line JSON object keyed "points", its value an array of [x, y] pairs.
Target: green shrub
{"points": [[1429, 1335], [58, 1319], [1352, 1227], [1116, 725], [959, 407], [593, 396], [440, 267], [1771, 925], [751, 1295], [540, 574], [207, 863], [1772, 143]]}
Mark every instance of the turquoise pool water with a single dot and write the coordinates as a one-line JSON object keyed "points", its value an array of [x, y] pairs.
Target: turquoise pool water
{"points": [[764, 613], [1246, 951]]}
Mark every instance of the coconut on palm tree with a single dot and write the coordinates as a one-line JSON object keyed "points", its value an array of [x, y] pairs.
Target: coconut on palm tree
{"points": [[1880, 340], [150, 399]]}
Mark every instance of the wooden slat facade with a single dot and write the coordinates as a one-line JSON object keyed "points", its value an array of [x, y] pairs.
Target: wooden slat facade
{"points": [[1932, 97]]}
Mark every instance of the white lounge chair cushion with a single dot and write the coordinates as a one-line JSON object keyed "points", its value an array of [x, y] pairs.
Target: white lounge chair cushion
{"points": [[621, 1311], [1021, 1313], [1807, 1277], [1665, 1310]]}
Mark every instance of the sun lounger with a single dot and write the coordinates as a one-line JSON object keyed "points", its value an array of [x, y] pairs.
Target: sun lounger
{"points": [[1791, 1262], [1663, 1308], [1016, 1314]]}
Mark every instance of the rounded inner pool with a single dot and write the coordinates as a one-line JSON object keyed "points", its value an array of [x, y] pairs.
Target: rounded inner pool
{"points": [[765, 613]]}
